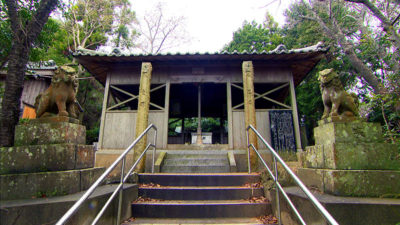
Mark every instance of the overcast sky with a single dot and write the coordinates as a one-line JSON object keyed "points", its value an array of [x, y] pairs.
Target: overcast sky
{"points": [[211, 23]]}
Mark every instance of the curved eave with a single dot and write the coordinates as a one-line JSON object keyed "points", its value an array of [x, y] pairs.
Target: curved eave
{"points": [[301, 62]]}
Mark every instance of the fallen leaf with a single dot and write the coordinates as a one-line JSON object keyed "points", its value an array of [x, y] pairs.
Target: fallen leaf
{"points": [[257, 199], [270, 219], [149, 185], [253, 185], [141, 199], [126, 222]]}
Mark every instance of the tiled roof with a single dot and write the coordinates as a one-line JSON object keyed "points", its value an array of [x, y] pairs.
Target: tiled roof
{"points": [[301, 61], [281, 49]]}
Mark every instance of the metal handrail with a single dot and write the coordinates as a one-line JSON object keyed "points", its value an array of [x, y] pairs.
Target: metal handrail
{"points": [[123, 179], [321, 209]]}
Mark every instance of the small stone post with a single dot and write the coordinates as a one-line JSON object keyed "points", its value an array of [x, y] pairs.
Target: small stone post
{"points": [[249, 107], [142, 113]]}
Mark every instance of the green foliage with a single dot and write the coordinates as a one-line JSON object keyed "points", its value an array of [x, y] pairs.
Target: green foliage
{"points": [[92, 22], [123, 33], [208, 124], [5, 35], [92, 135], [302, 31], [256, 37], [90, 96], [41, 45], [45, 40], [23, 121]]}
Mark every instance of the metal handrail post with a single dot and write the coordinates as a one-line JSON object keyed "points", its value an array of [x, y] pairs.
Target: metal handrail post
{"points": [[280, 187], [121, 191], [248, 152], [310, 196], [91, 189], [154, 151], [278, 205]]}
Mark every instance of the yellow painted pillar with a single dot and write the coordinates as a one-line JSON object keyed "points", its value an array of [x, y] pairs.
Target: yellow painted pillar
{"points": [[249, 107], [142, 113]]}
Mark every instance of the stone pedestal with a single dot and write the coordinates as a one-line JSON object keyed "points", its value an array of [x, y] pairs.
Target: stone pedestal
{"points": [[351, 159], [49, 158]]}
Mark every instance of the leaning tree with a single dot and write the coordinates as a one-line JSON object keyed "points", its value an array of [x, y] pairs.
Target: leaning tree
{"points": [[27, 19]]}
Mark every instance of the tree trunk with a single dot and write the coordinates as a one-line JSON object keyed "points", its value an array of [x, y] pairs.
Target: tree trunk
{"points": [[335, 33], [13, 90], [24, 35]]}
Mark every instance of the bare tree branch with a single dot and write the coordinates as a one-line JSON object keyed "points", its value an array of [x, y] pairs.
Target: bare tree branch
{"points": [[335, 33], [386, 23], [159, 33]]}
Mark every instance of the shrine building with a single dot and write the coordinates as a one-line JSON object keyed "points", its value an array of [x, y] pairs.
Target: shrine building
{"points": [[185, 87]]}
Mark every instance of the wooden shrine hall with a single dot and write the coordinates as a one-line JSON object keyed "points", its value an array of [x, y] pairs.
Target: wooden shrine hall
{"points": [[186, 87]]}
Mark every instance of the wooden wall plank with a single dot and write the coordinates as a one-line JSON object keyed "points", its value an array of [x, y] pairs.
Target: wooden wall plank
{"points": [[263, 126], [131, 75], [119, 130], [157, 118], [238, 129], [239, 133]]}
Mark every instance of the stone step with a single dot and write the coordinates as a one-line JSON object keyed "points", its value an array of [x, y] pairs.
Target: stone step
{"points": [[200, 193], [197, 156], [196, 162], [196, 169], [50, 209], [200, 209], [199, 179], [177, 221]]}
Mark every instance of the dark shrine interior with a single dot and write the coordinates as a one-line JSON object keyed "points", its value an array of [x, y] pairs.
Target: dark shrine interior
{"points": [[183, 106]]}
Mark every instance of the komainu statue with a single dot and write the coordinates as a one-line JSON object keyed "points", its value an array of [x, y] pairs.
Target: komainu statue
{"points": [[59, 99], [337, 102]]}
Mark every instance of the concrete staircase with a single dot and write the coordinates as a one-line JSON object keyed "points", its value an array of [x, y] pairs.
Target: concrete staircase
{"points": [[214, 198], [196, 163]]}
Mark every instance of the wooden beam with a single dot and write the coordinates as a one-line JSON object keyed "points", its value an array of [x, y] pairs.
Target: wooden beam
{"points": [[229, 110], [133, 97], [199, 139], [295, 115], [142, 114], [103, 111], [249, 108], [123, 91], [123, 102], [266, 98], [166, 114]]}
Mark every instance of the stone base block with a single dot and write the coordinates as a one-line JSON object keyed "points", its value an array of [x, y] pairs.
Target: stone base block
{"points": [[350, 132], [371, 183], [46, 184], [40, 158], [55, 118], [49, 210], [360, 156], [49, 131], [345, 210]]}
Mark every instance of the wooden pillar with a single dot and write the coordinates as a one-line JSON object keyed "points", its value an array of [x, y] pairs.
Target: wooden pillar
{"points": [[199, 139], [103, 111], [166, 114], [295, 115], [142, 113], [229, 109], [183, 130], [249, 107]]}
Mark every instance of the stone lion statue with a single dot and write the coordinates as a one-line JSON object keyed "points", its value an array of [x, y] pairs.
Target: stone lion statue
{"points": [[337, 102], [60, 98]]}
